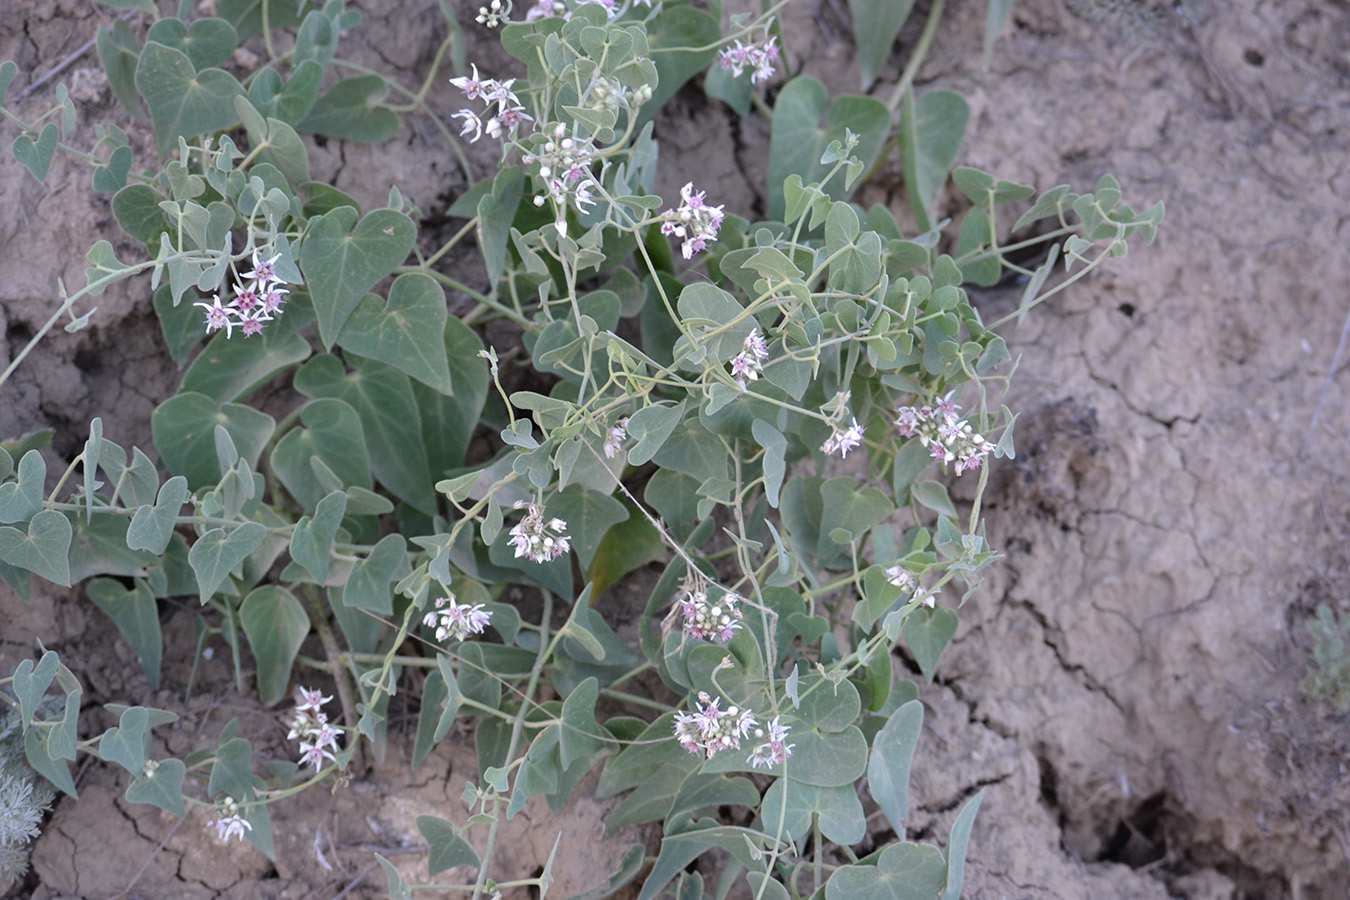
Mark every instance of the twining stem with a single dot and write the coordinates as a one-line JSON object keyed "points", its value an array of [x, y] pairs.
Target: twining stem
{"points": [[319, 616], [545, 651]]}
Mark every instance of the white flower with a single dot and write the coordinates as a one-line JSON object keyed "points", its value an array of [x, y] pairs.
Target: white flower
{"points": [[617, 435], [772, 751], [228, 823], [843, 441], [456, 621], [537, 540], [709, 620], [694, 220], [471, 124]]}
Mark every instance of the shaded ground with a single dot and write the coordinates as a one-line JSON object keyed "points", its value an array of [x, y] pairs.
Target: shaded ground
{"points": [[1126, 683]]}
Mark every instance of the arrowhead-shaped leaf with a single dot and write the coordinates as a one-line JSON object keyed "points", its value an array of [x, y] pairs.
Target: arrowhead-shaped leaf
{"points": [[152, 526], [276, 625], [136, 615], [447, 849], [312, 539]]}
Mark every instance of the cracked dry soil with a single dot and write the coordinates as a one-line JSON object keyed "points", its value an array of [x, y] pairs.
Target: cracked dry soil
{"points": [[1125, 684]]}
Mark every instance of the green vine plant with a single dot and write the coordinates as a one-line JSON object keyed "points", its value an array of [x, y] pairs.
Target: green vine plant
{"points": [[770, 411]]}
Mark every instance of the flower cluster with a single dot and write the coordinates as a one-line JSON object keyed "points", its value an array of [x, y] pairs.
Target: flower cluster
{"points": [[760, 56], [258, 298], [617, 435], [843, 440], [772, 751], [709, 620], [456, 621], [694, 221], [536, 539], [710, 729], [493, 14], [940, 429], [564, 165], [746, 365], [509, 113], [228, 823], [905, 580], [318, 739]]}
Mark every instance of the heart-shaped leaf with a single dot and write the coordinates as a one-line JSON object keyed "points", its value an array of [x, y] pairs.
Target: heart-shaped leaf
{"points": [[400, 333], [589, 516], [152, 526], [447, 848], [8, 69], [876, 23], [927, 632], [343, 259], [330, 433], [957, 844], [21, 499], [383, 398], [112, 175], [136, 615], [44, 550], [207, 41], [184, 430], [798, 142], [217, 552], [124, 743], [350, 110], [839, 809], [184, 102], [163, 787], [903, 872], [276, 625], [312, 539], [36, 156], [232, 771]]}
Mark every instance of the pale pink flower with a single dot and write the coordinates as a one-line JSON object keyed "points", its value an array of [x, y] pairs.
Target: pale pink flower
{"points": [[472, 87], [617, 435], [264, 270], [773, 751], [843, 440], [709, 730], [538, 540], [218, 316]]}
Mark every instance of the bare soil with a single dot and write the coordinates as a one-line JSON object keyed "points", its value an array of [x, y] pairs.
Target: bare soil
{"points": [[1125, 685]]}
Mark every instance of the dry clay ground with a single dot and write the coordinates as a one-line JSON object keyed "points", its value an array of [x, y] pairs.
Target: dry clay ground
{"points": [[1125, 686]]}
